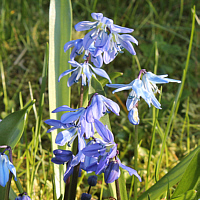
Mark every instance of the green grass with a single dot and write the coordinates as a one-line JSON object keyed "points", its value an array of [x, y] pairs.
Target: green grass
{"points": [[163, 30]]}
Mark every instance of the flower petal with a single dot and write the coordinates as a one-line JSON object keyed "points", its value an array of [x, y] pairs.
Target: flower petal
{"points": [[66, 72], [101, 72], [85, 25]]}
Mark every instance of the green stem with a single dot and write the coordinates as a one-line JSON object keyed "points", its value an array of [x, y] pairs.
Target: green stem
{"points": [[135, 161], [117, 190], [74, 181], [8, 186]]}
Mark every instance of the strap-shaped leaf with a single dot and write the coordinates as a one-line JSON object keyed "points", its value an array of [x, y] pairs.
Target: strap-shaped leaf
{"points": [[11, 127], [170, 179]]}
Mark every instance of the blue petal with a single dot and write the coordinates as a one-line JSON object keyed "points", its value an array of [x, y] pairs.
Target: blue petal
{"points": [[105, 133], [69, 45], [133, 116], [89, 38], [71, 117], [131, 100], [97, 61], [159, 78], [103, 163], [114, 107], [94, 150], [85, 25], [4, 173], [101, 39], [57, 124], [112, 172], [120, 29], [96, 109], [130, 171], [66, 72], [127, 45], [63, 108], [64, 136], [69, 171], [101, 72], [74, 77], [129, 38], [97, 16], [87, 71]]}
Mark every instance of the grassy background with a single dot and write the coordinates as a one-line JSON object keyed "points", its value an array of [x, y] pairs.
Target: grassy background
{"points": [[163, 31]]}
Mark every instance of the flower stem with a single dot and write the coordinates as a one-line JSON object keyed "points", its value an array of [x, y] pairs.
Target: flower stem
{"points": [[135, 161], [8, 148], [74, 181], [117, 190]]}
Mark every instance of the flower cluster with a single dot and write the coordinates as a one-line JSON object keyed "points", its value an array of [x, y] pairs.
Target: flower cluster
{"points": [[99, 154], [102, 44], [145, 88]]}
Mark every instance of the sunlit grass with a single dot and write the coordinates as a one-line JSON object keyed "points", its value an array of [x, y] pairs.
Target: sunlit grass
{"points": [[163, 31]]}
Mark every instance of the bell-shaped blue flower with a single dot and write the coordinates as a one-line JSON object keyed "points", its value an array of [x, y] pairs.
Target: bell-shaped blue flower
{"points": [[83, 70], [92, 180], [99, 106], [112, 172], [5, 166], [23, 196], [86, 196], [133, 116], [105, 37], [61, 156], [150, 80]]}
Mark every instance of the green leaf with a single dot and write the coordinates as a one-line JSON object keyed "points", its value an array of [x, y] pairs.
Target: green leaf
{"points": [[11, 127], [95, 87], [12, 194], [171, 178], [60, 26], [112, 76], [189, 195], [122, 186], [191, 178], [2, 191]]}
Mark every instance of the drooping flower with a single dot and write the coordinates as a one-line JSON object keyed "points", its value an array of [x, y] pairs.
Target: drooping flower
{"points": [[92, 180], [105, 151], [99, 106], [133, 116], [82, 70], [144, 88], [61, 156], [23, 196], [5, 166], [105, 36], [86, 196], [78, 49], [150, 80]]}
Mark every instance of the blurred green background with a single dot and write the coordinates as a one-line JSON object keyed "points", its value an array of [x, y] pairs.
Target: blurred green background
{"points": [[162, 29]]}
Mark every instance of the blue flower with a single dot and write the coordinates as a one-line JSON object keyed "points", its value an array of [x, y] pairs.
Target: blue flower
{"points": [[104, 35], [150, 80], [78, 49], [61, 156], [105, 151], [23, 196], [82, 70], [5, 166], [133, 116], [86, 196], [99, 106], [92, 180], [145, 89]]}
